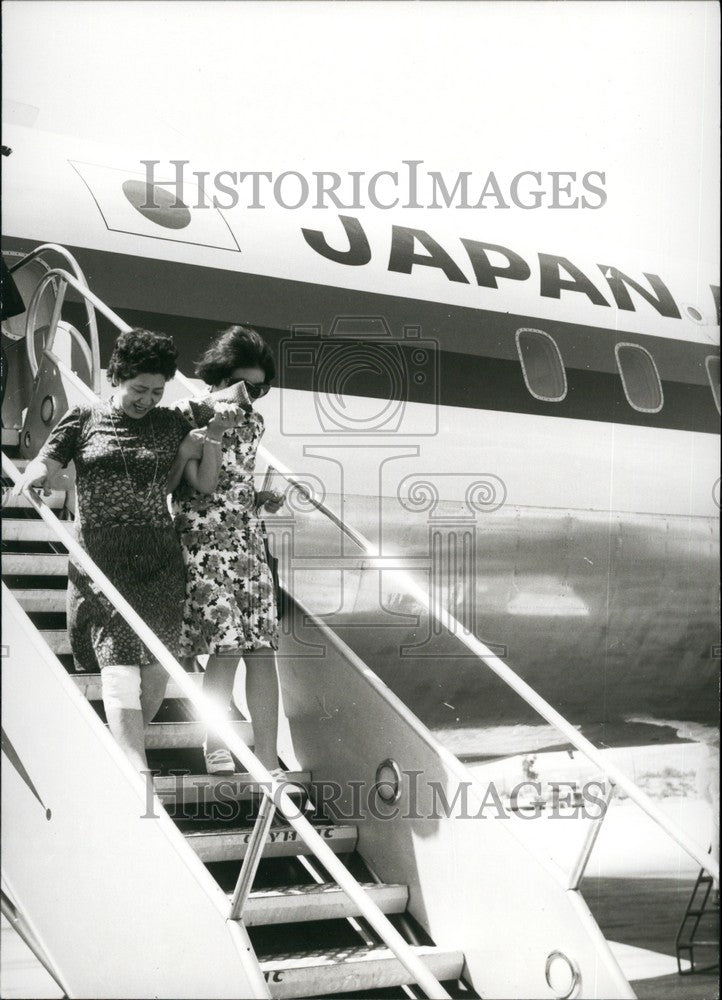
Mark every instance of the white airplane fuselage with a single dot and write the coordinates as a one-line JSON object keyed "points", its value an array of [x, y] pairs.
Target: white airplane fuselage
{"points": [[576, 534]]}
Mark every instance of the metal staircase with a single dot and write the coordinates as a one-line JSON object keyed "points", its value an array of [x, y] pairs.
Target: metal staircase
{"points": [[257, 896], [333, 953]]}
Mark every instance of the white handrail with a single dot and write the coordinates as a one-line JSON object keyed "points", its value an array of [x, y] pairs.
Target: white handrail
{"points": [[18, 924], [481, 651], [587, 846], [530, 696], [90, 299], [81, 286], [52, 248], [270, 786]]}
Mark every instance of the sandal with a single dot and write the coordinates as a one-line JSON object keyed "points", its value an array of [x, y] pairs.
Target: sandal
{"points": [[219, 762], [280, 774]]}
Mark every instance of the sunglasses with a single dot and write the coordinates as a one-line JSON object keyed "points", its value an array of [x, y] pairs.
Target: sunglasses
{"points": [[254, 389]]}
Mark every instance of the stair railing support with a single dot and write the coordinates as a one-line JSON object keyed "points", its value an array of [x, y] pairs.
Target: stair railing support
{"points": [[252, 859], [577, 873]]}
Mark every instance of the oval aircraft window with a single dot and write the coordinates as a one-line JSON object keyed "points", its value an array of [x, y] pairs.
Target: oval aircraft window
{"points": [[712, 365], [640, 378], [541, 365]]}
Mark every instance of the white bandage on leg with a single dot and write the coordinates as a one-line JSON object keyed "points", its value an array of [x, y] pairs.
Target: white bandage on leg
{"points": [[121, 686]]}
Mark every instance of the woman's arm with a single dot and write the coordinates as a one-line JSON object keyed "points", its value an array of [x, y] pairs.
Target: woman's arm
{"points": [[190, 447], [200, 454], [36, 474], [203, 474]]}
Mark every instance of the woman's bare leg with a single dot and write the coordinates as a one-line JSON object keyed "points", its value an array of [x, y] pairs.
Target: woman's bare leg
{"points": [[262, 698], [121, 698], [153, 682], [218, 686], [126, 725]]}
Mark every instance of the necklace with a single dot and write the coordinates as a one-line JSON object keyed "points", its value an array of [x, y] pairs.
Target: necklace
{"points": [[141, 497]]}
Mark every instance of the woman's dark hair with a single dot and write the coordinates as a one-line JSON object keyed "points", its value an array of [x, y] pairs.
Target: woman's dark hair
{"points": [[142, 351], [236, 347]]}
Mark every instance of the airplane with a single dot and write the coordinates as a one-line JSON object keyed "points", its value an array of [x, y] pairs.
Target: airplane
{"points": [[582, 399], [517, 446]]}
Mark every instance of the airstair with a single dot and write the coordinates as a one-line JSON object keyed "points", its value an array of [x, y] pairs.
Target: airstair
{"points": [[345, 879], [290, 889]]}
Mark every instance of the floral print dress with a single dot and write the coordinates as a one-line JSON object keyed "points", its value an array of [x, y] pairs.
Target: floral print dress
{"points": [[230, 601]]}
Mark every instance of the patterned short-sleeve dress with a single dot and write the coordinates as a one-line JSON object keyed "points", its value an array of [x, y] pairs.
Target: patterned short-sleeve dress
{"points": [[230, 600], [124, 524]]}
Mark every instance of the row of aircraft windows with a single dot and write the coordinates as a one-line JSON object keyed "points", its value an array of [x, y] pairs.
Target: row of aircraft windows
{"points": [[546, 378]]}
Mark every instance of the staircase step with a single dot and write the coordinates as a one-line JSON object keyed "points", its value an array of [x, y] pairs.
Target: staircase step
{"points": [[207, 788], [281, 842], [58, 641], [31, 600], [182, 735], [89, 684], [345, 970], [56, 501], [34, 564], [298, 903], [24, 530]]}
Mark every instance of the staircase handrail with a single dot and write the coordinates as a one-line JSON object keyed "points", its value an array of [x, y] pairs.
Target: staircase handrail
{"points": [[482, 652], [45, 248], [510, 678], [38, 254], [615, 775], [91, 301], [271, 787], [472, 643]]}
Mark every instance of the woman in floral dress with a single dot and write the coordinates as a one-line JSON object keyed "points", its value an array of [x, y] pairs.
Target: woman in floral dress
{"points": [[123, 451], [230, 607]]}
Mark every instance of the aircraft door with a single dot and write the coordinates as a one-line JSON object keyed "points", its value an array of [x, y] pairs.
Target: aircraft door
{"points": [[17, 374]]}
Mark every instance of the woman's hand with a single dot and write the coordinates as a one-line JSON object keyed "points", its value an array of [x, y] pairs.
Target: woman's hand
{"points": [[36, 475], [270, 500], [224, 417]]}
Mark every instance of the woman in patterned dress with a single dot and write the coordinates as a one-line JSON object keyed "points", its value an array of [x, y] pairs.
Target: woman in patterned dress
{"points": [[230, 609], [123, 450]]}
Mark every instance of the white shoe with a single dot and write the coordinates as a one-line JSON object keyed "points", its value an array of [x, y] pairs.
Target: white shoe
{"points": [[291, 787], [219, 761]]}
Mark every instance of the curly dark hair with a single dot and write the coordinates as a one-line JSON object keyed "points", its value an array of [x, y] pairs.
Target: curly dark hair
{"points": [[236, 347], [139, 351]]}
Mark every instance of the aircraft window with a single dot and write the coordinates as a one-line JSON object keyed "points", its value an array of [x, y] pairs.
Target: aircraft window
{"points": [[640, 378], [712, 364], [541, 365]]}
